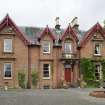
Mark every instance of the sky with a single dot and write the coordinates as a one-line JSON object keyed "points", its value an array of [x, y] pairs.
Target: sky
{"points": [[39, 13]]}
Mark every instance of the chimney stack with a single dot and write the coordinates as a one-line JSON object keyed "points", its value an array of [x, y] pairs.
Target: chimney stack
{"points": [[57, 25], [74, 24]]}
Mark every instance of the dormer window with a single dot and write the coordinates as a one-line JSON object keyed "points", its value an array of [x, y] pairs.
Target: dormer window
{"points": [[97, 50]]}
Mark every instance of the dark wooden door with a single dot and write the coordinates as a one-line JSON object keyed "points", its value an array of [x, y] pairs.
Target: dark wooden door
{"points": [[68, 74]]}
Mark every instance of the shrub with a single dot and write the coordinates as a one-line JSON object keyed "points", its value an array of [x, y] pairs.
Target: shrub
{"points": [[21, 80], [34, 78], [93, 84]]}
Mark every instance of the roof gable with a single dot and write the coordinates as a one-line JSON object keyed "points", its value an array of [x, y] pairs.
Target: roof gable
{"points": [[7, 21], [47, 31], [96, 28], [69, 30]]}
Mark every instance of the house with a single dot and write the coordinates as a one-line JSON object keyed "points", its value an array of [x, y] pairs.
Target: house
{"points": [[53, 53], [93, 46], [13, 53]]}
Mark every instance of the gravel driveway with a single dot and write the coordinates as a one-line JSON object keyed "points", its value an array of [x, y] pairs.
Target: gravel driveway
{"points": [[49, 97]]}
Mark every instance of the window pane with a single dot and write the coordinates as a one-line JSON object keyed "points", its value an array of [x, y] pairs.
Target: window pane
{"points": [[97, 71], [7, 45], [67, 48], [46, 47], [7, 70], [46, 70], [97, 49]]}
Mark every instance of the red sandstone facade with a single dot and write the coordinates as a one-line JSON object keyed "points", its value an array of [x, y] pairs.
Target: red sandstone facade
{"points": [[56, 60]]}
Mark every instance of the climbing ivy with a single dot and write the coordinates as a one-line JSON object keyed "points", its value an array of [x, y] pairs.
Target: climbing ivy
{"points": [[103, 69], [87, 69]]}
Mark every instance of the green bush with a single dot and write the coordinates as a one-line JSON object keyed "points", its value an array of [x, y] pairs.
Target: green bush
{"points": [[103, 69], [34, 78], [21, 80], [87, 68], [93, 84]]}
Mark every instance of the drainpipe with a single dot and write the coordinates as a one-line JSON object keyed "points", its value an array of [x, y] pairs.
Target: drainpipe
{"points": [[79, 61], [29, 68]]}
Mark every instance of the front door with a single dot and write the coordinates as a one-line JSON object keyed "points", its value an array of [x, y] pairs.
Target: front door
{"points": [[68, 74]]}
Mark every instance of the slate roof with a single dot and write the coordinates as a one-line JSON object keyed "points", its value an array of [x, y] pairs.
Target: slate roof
{"points": [[31, 32], [34, 32]]}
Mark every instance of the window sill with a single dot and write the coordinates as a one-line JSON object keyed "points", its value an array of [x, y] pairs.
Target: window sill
{"points": [[8, 52], [46, 78], [97, 55], [7, 78], [46, 52]]}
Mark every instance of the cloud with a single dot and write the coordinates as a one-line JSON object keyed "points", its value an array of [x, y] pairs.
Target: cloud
{"points": [[43, 12]]}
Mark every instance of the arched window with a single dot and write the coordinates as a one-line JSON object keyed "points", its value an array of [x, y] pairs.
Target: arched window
{"points": [[68, 46]]}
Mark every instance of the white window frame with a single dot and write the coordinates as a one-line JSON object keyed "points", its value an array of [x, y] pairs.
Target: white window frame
{"points": [[5, 70], [49, 72], [99, 72], [98, 49], [49, 47], [6, 42]]}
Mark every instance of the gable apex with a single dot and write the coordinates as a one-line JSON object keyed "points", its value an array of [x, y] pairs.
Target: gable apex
{"points": [[69, 30], [7, 21], [96, 28], [47, 31]]}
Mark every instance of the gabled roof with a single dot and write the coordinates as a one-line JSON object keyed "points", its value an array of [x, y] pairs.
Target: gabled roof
{"points": [[96, 28], [70, 31], [47, 31], [7, 21]]}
